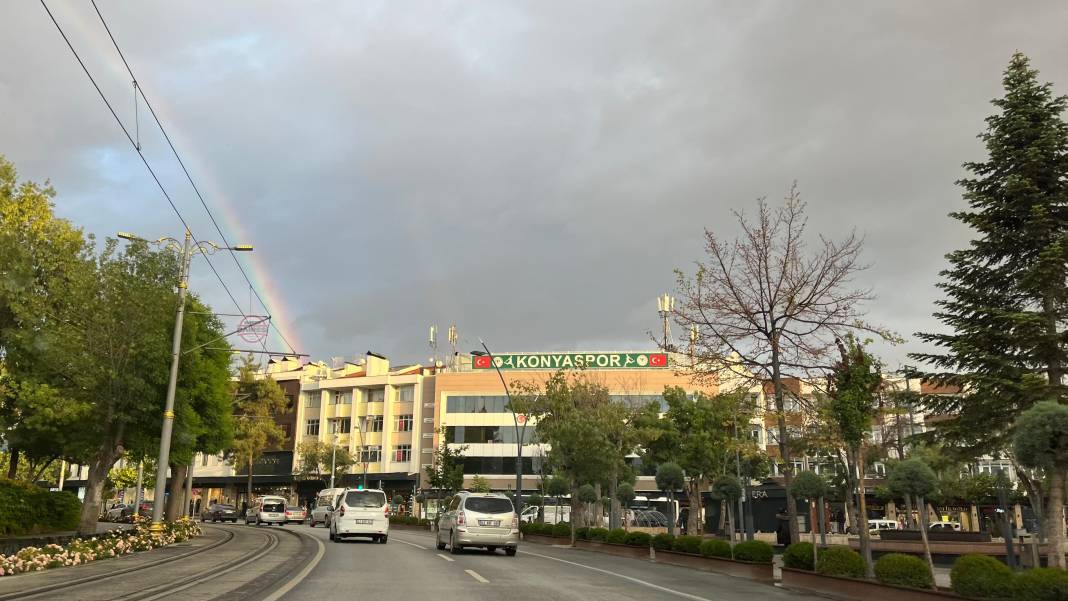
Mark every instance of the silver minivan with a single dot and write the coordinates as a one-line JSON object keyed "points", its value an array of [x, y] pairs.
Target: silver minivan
{"points": [[479, 520]]}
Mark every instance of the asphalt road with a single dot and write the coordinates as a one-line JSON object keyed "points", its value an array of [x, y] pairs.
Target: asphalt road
{"points": [[409, 567]]}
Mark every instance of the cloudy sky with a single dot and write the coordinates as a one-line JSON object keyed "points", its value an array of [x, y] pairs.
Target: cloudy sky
{"points": [[530, 171]]}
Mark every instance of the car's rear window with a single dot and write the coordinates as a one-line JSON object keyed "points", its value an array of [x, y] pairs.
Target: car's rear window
{"points": [[365, 498], [276, 507], [224, 507], [294, 508], [488, 505]]}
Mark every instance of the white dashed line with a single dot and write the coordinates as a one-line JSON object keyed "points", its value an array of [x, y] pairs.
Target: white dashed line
{"points": [[411, 544], [476, 576], [445, 557]]}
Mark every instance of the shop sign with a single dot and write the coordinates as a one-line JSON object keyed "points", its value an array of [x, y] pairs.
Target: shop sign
{"points": [[271, 463], [572, 361]]}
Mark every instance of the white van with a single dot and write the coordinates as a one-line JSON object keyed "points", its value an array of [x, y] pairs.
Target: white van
{"points": [[360, 512], [267, 510], [876, 526], [324, 504]]}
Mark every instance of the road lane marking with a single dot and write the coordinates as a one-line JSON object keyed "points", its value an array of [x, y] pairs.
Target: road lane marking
{"points": [[412, 544], [624, 577], [445, 557], [476, 576], [285, 588]]}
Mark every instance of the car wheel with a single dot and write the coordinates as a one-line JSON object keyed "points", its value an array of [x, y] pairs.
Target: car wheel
{"points": [[332, 538], [510, 551], [491, 549], [440, 545], [453, 547], [385, 539]]}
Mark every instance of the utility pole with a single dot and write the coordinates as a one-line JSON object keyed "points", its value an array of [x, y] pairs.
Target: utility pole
{"points": [[189, 488], [140, 482], [187, 248], [519, 434], [333, 458]]}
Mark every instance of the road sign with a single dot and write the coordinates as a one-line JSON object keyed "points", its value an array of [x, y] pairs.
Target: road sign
{"points": [[253, 328], [521, 418]]}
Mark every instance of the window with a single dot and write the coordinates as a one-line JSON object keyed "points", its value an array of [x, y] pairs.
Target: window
{"points": [[289, 401], [489, 434], [755, 433], [203, 459], [402, 453], [371, 454], [287, 430], [879, 469], [365, 498], [374, 423], [340, 398], [405, 423], [340, 425], [312, 429], [376, 395], [488, 505], [312, 399], [406, 394]]}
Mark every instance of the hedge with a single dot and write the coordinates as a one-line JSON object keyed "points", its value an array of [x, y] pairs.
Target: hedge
{"points": [[410, 520], [582, 533], [840, 561], [756, 551], [687, 544], [562, 530], [903, 570], [599, 534], [981, 577], [716, 548], [617, 536], [799, 557], [1041, 584], [663, 541], [639, 539], [27, 509]]}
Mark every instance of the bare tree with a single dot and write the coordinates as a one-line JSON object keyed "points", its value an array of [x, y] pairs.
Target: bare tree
{"points": [[768, 308]]}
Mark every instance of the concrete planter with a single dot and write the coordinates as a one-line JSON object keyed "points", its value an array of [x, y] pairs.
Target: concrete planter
{"points": [[541, 539], [614, 549], [760, 572], [409, 527], [852, 589]]}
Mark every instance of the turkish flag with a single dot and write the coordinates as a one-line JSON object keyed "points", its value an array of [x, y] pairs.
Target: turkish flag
{"points": [[483, 362], [658, 360]]}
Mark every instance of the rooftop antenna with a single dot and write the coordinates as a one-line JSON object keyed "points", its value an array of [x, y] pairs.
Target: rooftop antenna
{"points": [[433, 341], [665, 306], [454, 338]]}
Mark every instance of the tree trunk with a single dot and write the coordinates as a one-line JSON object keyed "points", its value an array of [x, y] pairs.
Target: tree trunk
{"points": [[13, 464], [248, 498], [849, 515], [693, 520], [923, 534], [613, 507], [908, 511], [672, 518], [812, 532], [1055, 519], [784, 446], [175, 491], [862, 521], [730, 520], [598, 518], [94, 488], [576, 511]]}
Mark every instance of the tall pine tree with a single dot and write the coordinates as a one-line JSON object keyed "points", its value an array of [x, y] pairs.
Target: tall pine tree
{"points": [[1006, 296]]}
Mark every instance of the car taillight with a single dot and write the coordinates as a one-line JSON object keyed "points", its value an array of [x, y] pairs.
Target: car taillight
{"points": [[385, 512], [461, 519], [342, 510], [515, 522]]}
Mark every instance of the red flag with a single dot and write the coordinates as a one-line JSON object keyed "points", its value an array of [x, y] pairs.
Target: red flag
{"points": [[658, 360], [483, 362]]}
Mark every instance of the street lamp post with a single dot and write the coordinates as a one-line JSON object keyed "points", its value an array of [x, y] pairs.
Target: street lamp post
{"points": [[519, 435], [187, 249], [333, 459]]}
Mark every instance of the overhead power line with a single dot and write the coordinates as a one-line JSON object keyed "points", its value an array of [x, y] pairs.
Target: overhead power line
{"points": [[152, 172], [188, 176]]}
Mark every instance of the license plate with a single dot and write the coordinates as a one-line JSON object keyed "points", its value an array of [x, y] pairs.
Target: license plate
{"points": [[493, 523], [365, 521]]}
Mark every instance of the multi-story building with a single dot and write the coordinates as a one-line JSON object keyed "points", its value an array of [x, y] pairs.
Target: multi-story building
{"points": [[376, 411]]}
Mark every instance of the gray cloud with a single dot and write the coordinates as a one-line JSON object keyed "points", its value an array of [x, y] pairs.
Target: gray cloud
{"points": [[531, 171]]}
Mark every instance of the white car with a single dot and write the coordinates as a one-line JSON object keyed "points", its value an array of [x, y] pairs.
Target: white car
{"points": [[267, 510], [324, 505], [362, 513], [944, 527]]}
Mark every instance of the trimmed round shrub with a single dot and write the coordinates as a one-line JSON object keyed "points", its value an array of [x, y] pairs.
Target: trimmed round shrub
{"points": [[687, 544], [840, 561], [663, 541], [639, 539], [899, 569], [1041, 584], [27, 509], [582, 533], [546, 529], [756, 551], [599, 534], [716, 548], [562, 530], [981, 577], [616, 537], [799, 557], [528, 528]]}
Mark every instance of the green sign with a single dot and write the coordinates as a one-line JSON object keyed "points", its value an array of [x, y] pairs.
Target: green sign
{"points": [[572, 361]]}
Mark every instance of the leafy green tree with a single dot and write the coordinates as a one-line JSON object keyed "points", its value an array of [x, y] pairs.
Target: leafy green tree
{"points": [[914, 477], [556, 487], [480, 484], [257, 399], [811, 487], [624, 495], [854, 382], [1041, 441], [1007, 291], [315, 457], [446, 473], [669, 478], [728, 489]]}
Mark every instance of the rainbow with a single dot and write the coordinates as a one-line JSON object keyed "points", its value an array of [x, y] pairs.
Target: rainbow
{"points": [[91, 33]]}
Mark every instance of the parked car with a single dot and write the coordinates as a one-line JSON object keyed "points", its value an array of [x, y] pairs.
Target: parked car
{"points": [[479, 520], [267, 510], [944, 527], [145, 509], [218, 512], [116, 512], [295, 513], [324, 505], [875, 526], [360, 513]]}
